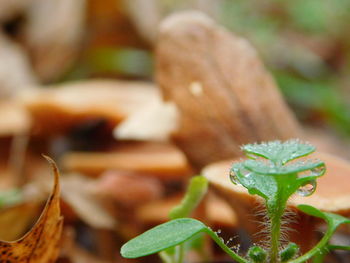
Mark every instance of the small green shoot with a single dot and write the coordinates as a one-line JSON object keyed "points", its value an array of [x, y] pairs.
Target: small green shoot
{"points": [[274, 172]]}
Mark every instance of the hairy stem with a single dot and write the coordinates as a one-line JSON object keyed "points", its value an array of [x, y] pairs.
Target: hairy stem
{"points": [[276, 208], [225, 248]]}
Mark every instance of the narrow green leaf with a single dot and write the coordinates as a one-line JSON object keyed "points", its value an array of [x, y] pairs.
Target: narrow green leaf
{"points": [[194, 194], [162, 237]]}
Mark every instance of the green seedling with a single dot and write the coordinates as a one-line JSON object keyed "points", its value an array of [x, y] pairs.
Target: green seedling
{"points": [[274, 172]]}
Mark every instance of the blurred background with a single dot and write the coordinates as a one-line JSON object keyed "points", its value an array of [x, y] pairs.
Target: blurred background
{"points": [[45, 46], [304, 44]]}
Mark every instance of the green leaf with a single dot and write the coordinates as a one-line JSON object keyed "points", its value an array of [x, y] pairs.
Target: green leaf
{"points": [[162, 237], [333, 220], [279, 152], [266, 168], [195, 192], [262, 185]]}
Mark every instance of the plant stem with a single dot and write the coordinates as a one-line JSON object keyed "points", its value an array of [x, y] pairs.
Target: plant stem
{"points": [[316, 249], [225, 248], [275, 208], [180, 253]]}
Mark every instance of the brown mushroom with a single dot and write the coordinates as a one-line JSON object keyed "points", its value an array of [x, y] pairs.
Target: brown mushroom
{"points": [[153, 159], [217, 212], [224, 94], [56, 109]]}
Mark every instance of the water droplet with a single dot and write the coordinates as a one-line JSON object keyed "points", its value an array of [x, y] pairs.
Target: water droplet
{"points": [[219, 231], [305, 173], [318, 171], [307, 189], [234, 178]]}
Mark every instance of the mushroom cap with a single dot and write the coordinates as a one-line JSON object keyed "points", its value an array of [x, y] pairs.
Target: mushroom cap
{"points": [[56, 109], [161, 160]]}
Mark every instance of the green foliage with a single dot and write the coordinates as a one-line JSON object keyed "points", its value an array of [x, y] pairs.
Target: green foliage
{"points": [[10, 197], [195, 192], [162, 237], [273, 173]]}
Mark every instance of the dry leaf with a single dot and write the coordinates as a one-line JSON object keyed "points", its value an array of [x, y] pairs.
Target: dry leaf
{"points": [[41, 243], [15, 220]]}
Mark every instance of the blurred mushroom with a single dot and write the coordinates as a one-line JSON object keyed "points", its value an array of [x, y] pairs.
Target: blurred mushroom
{"points": [[160, 160], [57, 109], [15, 71], [224, 94], [154, 122], [53, 33], [128, 188], [156, 10], [77, 192], [14, 119], [11, 8]]}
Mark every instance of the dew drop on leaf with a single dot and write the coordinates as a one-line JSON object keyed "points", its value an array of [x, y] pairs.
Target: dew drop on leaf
{"points": [[307, 189], [318, 171], [234, 178]]}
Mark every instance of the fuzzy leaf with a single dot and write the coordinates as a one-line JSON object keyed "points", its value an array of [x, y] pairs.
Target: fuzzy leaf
{"points": [[41, 243], [279, 152], [162, 237]]}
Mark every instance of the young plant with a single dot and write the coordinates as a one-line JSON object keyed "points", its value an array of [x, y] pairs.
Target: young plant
{"points": [[274, 172]]}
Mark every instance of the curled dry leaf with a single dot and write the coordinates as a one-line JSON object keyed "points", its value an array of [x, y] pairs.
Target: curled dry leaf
{"points": [[15, 220], [41, 243]]}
